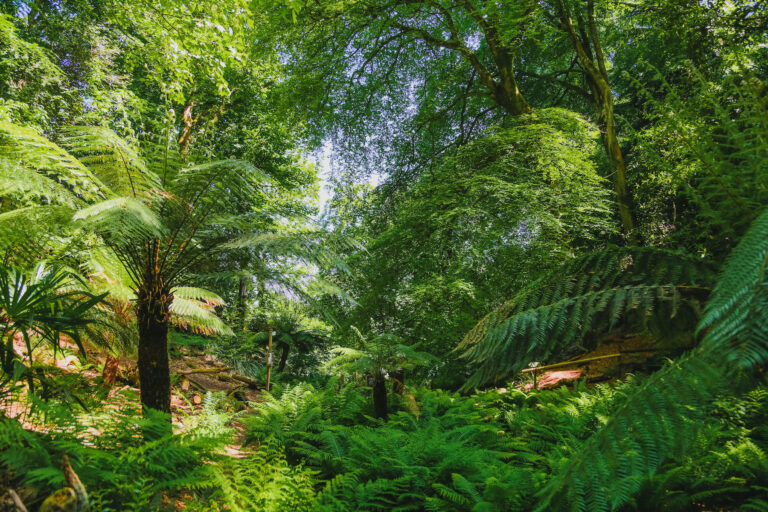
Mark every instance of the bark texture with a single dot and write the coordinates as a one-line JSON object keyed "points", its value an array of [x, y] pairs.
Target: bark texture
{"points": [[380, 396], [585, 40], [152, 312], [286, 348]]}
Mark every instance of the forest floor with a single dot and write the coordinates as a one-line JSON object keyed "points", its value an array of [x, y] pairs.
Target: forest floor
{"points": [[194, 373]]}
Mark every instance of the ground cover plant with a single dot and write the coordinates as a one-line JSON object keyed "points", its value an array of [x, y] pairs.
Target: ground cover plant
{"points": [[383, 255]]}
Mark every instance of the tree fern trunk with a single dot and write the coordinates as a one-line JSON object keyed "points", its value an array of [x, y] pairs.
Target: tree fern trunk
{"points": [[283, 356], [152, 312], [380, 396]]}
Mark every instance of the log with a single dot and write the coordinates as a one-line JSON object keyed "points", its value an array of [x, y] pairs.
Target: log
{"points": [[17, 501], [568, 363], [74, 482], [197, 385], [63, 500], [252, 383], [205, 370]]}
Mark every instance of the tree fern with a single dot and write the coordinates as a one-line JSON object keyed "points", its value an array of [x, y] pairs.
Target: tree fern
{"points": [[735, 322], [633, 287], [108, 156], [663, 416], [34, 167], [28, 232]]}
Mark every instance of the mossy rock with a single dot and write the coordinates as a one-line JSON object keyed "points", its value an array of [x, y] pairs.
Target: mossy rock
{"points": [[63, 500]]}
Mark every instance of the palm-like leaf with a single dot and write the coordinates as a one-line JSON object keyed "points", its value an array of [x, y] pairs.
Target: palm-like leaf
{"points": [[618, 285], [111, 159], [31, 166], [663, 416], [46, 305]]}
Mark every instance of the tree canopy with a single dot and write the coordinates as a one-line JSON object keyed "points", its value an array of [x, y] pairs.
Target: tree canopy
{"points": [[383, 255]]}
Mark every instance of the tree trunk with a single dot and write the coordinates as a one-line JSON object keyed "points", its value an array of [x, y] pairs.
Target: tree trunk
{"points": [[607, 127], [586, 43], [398, 383], [283, 356], [242, 296], [507, 93], [152, 313], [109, 375], [380, 396]]}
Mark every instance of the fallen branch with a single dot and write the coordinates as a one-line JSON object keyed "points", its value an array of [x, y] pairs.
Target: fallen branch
{"points": [[205, 370], [252, 383], [17, 501]]}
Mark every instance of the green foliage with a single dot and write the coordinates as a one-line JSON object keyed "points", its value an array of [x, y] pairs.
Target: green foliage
{"points": [[486, 219], [726, 467], [633, 288], [33, 89], [42, 307], [158, 148], [703, 154], [285, 420], [377, 355], [123, 460], [448, 457], [35, 170], [665, 415], [262, 481], [734, 320]]}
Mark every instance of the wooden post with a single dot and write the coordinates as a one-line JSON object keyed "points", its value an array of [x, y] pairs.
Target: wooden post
{"points": [[269, 360]]}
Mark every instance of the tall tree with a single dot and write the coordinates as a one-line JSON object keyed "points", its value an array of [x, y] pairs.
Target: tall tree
{"points": [[423, 76], [585, 39]]}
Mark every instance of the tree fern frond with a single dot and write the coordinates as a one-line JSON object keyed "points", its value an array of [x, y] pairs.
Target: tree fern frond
{"points": [[125, 218], [26, 231], [735, 318], [312, 246], [163, 158], [24, 151], [660, 418], [663, 416], [197, 316], [602, 289], [222, 181], [110, 158], [198, 294], [33, 187], [108, 275]]}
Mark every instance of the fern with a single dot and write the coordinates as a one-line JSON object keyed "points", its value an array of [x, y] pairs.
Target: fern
{"points": [[111, 159], [735, 318], [264, 481], [663, 416], [123, 460], [636, 287], [32, 167]]}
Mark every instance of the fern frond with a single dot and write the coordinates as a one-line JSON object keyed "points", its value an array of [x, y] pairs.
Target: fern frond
{"points": [[598, 291], [25, 152], [197, 316], [198, 294], [663, 416], [111, 159], [311, 246], [34, 230], [222, 182], [125, 218], [735, 318], [32, 187]]}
